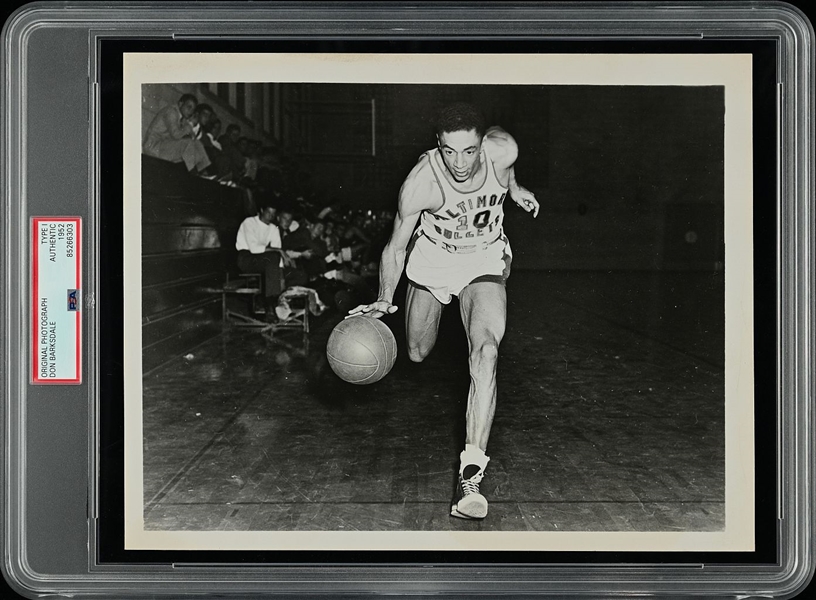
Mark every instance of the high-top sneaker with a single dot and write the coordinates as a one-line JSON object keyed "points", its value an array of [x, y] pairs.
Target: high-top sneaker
{"points": [[468, 503]]}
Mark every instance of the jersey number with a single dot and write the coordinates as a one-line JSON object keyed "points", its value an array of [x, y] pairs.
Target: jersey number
{"points": [[479, 221]]}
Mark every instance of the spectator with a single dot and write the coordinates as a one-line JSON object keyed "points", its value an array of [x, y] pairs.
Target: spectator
{"points": [[215, 151], [295, 246], [171, 136], [259, 250], [328, 231], [203, 114], [210, 140], [355, 235], [251, 159], [308, 247], [232, 167]]}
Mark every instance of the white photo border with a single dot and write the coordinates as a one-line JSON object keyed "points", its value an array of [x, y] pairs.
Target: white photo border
{"points": [[732, 71]]}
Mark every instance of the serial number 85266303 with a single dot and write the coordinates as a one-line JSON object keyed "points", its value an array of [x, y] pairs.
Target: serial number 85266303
{"points": [[66, 231]]}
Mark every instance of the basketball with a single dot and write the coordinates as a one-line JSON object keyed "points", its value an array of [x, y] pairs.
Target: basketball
{"points": [[361, 350]]}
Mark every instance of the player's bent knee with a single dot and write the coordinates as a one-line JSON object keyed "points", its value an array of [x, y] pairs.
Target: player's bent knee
{"points": [[485, 353]]}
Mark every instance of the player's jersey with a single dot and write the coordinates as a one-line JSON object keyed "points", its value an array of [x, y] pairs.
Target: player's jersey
{"points": [[466, 221]]}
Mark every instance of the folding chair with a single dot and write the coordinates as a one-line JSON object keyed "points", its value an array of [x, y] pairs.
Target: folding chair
{"points": [[251, 285]]}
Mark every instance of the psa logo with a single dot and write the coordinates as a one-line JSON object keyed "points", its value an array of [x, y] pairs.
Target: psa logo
{"points": [[73, 300]]}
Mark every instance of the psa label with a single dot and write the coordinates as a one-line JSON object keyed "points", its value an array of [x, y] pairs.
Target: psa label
{"points": [[56, 282]]}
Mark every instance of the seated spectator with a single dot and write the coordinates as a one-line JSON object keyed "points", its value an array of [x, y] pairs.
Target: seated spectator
{"points": [[203, 114], [210, 140], [335, 282], [290, 229], [241, 146], [216, 152], [355, 238], [293, 241], [251, 154], [307, 247], [211, 133], [329, 236], [232, 166], [340, 264], [317, 230], [259, 251], [171, 136]]}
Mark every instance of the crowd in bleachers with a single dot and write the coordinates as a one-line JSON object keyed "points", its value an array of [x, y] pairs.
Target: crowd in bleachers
{"points": [[349, 244], [333, 251], [303, 239]]}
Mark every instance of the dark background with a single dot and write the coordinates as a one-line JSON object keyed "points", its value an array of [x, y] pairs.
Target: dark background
{"points": [[623, 173]]}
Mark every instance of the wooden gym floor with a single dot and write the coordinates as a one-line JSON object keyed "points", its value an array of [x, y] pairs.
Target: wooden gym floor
{"points": [[610, 417]]}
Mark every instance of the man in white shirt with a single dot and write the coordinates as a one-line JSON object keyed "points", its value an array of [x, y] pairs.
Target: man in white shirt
{"points": [[259, 251]]}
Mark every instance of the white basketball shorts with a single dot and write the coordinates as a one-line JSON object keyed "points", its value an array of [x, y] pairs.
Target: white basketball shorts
{"points": [[445, 274]]}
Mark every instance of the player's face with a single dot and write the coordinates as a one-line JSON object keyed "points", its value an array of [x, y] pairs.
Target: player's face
{"points": [[460, 151]]}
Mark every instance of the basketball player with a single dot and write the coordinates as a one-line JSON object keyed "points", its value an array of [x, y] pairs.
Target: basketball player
{"points": [[457, 193]]}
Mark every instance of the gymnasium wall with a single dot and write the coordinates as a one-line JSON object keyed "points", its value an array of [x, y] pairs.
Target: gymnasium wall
{"points": [[634, 180], [628, 177], [188, 233]]}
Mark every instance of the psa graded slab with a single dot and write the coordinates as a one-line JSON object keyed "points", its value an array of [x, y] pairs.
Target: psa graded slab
{"points": [[568, 248]]}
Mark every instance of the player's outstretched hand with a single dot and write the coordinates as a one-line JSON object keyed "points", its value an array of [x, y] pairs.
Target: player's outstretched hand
{"points": [[525, 199], [375, 309]]}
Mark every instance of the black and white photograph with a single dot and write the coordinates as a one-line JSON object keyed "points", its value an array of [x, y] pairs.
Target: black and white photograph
{"points": [[438, 302]]}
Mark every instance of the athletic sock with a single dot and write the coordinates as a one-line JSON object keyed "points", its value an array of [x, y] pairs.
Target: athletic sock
{"points": [[470, 456]]}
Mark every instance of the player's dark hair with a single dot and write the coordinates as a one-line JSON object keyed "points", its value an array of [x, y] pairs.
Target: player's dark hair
{"points": [[204, 108], [186, 97], [233, 127], [460, 116]]}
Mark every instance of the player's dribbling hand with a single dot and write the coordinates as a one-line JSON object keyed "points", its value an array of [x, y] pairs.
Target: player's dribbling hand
{"points": [[375, 309], [525, 199]]}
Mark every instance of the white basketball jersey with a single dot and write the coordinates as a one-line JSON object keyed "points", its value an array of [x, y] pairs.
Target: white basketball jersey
{"points": [[465, 218]]}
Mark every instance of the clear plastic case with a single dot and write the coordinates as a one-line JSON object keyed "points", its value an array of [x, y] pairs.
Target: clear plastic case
{"points": [[65, 68]]}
